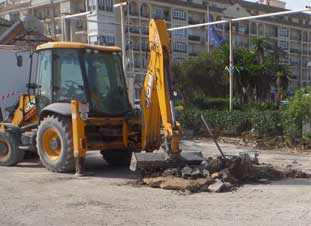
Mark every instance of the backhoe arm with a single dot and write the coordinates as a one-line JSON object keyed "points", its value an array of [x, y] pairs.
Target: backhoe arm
{"points": [[157, 95]]}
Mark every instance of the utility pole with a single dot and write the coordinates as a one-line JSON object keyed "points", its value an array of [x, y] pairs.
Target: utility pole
{"points": [[52, 19], [230, 66], [121, 4]]}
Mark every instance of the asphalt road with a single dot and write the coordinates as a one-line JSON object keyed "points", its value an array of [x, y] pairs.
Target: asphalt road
{"points": [[32, 196]]}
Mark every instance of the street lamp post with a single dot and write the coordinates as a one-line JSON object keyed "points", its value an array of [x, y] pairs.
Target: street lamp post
{"points": [[121, 4], [70, 17], [130, 78], [230, 66]]}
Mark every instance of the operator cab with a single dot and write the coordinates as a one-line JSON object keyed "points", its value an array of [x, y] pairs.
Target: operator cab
{"points": [[65, 71]]}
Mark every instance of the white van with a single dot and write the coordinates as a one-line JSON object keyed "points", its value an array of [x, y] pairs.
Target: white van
{"points": [[14, 74]]}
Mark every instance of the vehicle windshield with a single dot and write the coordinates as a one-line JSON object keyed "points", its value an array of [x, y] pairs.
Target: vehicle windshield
{"points": [[106, 83]]}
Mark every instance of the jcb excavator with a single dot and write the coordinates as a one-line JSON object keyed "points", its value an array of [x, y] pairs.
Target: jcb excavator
{"points": [[77, 102]]}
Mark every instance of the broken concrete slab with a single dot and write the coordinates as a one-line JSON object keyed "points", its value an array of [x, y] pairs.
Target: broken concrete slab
{"points": [[177, 183], [215, 175], [220, 186], [186, 172]]}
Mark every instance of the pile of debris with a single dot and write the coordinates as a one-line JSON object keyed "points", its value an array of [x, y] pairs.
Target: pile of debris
{"points": [[218, 175]]}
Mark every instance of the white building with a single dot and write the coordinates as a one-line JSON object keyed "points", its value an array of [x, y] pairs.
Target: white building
{"points": [[291, 33]]}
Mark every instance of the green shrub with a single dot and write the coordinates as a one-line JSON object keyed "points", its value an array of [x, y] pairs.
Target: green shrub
{"points": [[299, 108], [257, 106], [209, 103], [234, 122], [267, 122], [203, 102]]}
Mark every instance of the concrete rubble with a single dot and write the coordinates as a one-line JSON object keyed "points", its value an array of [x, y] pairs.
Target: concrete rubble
{"points": [[218, 175]]}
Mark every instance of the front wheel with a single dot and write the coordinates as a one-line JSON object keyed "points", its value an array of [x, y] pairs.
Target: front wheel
{"points": [[54, 144], [10, 155]]}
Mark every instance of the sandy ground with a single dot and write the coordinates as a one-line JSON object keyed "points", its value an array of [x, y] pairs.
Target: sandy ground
{"points": [[32, 196]]}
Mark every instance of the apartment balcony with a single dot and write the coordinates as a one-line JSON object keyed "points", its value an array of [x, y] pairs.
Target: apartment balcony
{"points": [[293, 50], [193, 54], [137, 65], [194, 38], [80, 27], [145, 31], [295, 38], [133, 30], [58, 31], [194, 21], [294, 63], [145, 48], [179, 51], [271, 34], [161, 17], [179, 18], [134, 14], [243, 30], [134, 47]]}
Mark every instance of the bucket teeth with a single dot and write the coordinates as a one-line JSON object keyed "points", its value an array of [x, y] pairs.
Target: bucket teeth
{"points": [[146, 161]]}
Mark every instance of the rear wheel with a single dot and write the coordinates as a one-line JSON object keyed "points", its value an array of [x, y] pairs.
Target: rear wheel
{"points": [[117, 157], [54, 144], [10, 155]]}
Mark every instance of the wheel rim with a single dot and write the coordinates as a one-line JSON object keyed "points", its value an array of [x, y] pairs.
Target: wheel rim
{"points": [[51, 144], [4, 149]]}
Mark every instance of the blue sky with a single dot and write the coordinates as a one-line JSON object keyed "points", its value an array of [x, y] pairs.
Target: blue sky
{"points": [[293, 4]]}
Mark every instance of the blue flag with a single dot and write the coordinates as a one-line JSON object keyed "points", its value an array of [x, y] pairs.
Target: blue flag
{"points": [[214, 38]]}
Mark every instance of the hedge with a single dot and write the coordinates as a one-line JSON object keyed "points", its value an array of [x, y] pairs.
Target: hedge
{"points": [[234, 122]]}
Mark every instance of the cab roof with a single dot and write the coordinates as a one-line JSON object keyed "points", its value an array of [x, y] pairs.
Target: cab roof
{"points": [[77, 45]]}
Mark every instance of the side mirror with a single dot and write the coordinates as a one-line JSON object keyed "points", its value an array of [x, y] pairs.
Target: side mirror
{"points": [[19, 61]]}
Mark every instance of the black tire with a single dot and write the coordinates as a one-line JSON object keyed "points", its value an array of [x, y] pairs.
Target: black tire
{"points": [[10, 155], [63, 159], [117, 157]]}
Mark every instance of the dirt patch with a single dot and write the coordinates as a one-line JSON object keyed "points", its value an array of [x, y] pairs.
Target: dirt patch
{"points": [[251, 139], [218, 175]]}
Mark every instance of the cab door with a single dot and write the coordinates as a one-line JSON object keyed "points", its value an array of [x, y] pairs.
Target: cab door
{"points": [[44, 87]]}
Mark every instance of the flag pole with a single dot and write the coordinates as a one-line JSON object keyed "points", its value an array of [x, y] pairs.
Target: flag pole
{"points": [[208, 28]]}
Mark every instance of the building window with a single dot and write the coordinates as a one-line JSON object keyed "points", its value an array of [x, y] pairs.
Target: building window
{"points": [[283, 45], [180, 33], [145, 10], [253, 28], [105, 5], [180, 47], [158, 13], [93, 39], [107, 40], [295, 35], [91, 4], [179, 14], [283, 32]]}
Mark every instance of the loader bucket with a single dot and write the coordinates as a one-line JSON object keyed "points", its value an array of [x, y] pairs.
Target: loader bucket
{"points": [[160, 160]]}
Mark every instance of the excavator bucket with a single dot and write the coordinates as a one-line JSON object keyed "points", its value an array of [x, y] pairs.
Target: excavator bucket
{"points": [[161, 160]]}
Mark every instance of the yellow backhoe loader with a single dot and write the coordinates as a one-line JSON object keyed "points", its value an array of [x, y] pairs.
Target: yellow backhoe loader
{"points": [[77, 102]]}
